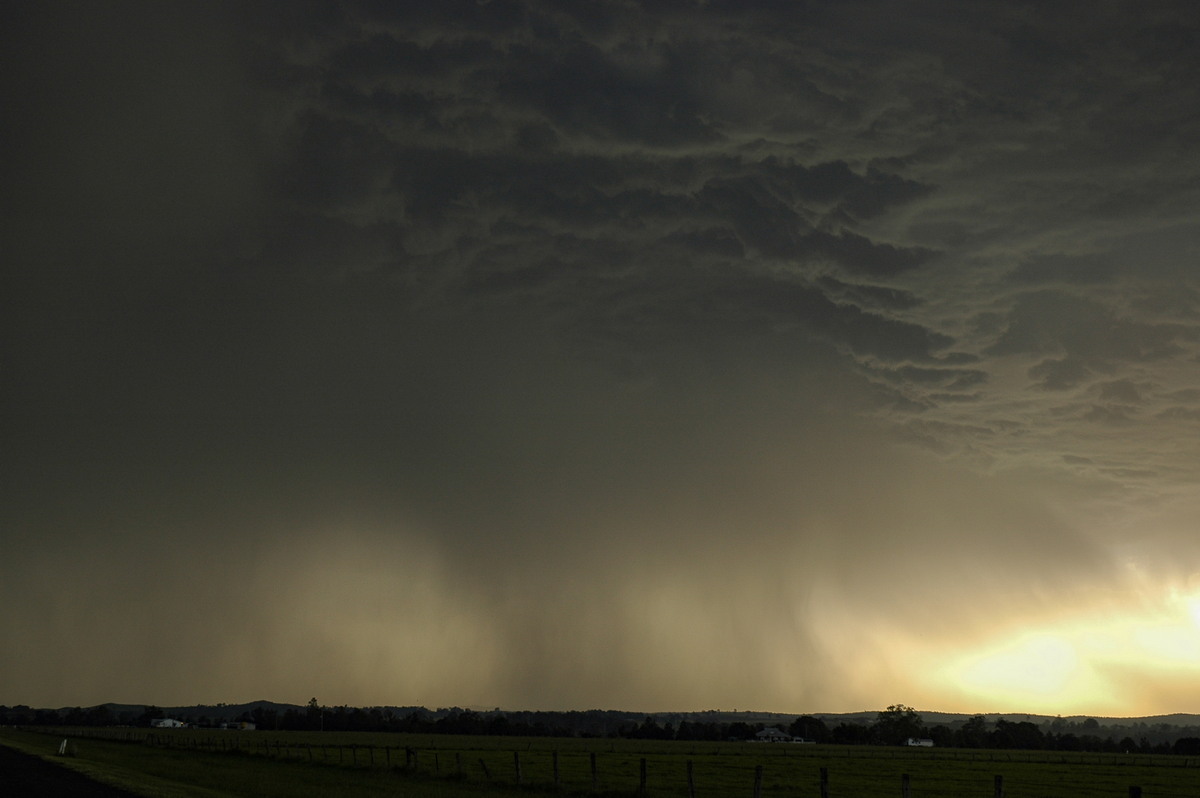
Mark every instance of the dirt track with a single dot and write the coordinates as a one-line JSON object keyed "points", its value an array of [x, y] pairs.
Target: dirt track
{"points": [[26, 776]]}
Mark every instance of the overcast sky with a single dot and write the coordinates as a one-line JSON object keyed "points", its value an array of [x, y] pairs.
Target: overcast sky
{"points": [[796, 356]]}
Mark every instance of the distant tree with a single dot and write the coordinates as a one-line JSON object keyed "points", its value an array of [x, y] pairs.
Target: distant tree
{"points": [[265, 718], [315, 715], [942, 736], [973, 733], [1068, 742], [896, 724], [850, 734], [1187, 746], [75, 716], [499, 725], [148, 714], [809, 728], [739, 730], [100, 716], [1023, 735]]}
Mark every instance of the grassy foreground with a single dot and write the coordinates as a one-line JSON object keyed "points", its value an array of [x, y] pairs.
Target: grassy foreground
{"points": [[194, 763], [157, 772]]}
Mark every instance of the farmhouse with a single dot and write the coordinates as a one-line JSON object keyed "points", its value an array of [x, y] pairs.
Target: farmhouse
{"points": [[167, 723], [773, 735], [922, 742]]}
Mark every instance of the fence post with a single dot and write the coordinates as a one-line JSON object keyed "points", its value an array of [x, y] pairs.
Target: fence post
{"points": [[691, 781], [555, 758], [517, 766], [1135, 792], [595, 781], [999, 787], [824, 782], [758, 781], [905, 785], [458, 763], [486, 774], [642, 779]]}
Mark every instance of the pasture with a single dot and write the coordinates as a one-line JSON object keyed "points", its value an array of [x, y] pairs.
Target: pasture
{"points": [[184, 763]]}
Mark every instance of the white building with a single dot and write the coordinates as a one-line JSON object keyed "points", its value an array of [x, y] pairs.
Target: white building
{"points": [[167, 723]]}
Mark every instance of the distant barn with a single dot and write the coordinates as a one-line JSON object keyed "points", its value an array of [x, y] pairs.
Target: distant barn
{"points": [[167, 723], [773, 735], [921, 742]]}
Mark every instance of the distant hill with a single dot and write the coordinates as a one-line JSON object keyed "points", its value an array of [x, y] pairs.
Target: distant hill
{"points": [[217, 713]]}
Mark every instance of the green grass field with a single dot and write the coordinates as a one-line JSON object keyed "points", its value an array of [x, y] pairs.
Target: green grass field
{"points": [[188, 763]]}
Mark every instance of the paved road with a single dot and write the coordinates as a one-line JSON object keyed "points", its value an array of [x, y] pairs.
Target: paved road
{"points": [[26, 776]]}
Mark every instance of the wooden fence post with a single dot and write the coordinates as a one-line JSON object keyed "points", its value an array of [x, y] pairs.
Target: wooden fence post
{"points": [[486, 774], [517, 766], [642, 779], [554, 756], [998, 791], [905, 785], [758, 781], [824, 782], [691, 781], [595, 782], [1135, 792], [458, 763]]}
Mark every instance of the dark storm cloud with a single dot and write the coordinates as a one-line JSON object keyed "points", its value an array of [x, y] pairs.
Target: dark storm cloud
{"points": [[1065, 269], [942, 378], [1121, 391], [871, 295], [1059, 375], [583, 90], [1051, 321], [572, 339]]}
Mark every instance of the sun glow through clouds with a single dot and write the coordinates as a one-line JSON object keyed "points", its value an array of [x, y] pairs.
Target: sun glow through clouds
{"points": [[1037, 666], [1071, 664]]}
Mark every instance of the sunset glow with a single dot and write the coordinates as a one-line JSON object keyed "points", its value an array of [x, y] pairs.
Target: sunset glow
{"points": [[1070, 665]]}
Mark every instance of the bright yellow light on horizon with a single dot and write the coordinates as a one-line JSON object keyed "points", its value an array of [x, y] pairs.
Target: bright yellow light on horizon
{"points": [[1085, 663], [1037, 665], [1193, 605]]}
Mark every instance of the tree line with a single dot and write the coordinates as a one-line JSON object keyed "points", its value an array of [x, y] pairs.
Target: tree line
{"points": [[892, 726]]}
